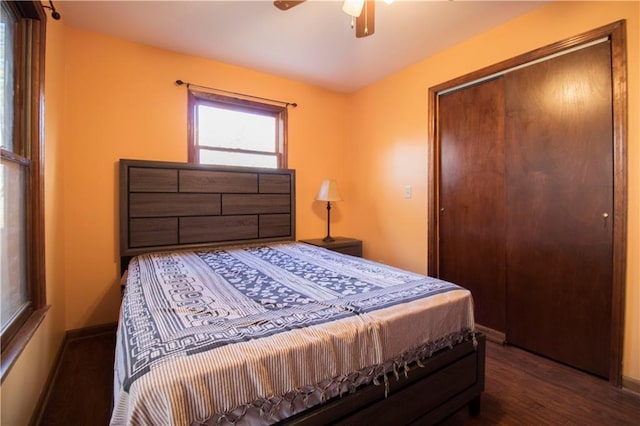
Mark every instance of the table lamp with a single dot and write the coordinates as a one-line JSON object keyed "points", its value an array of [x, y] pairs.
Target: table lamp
{"points": [[328, 192]]}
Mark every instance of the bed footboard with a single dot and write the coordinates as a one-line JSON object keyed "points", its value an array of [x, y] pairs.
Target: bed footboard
{"points": [[448, 381]]}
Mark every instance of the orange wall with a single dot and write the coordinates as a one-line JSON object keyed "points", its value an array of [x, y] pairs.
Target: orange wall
{"points": [[390, 133], [122, 102]]}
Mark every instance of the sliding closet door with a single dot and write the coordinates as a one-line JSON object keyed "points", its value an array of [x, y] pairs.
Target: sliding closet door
{"points": [[559, 175], [471, 219]]}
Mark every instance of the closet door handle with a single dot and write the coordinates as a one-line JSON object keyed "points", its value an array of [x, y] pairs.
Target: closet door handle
{"points": [[605, 217]]}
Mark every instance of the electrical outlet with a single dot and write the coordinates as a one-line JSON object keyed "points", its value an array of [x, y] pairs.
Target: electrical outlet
{"points": [[407, 191]]}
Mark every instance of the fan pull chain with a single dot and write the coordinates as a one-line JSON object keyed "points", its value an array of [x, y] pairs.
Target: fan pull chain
{"points": [[353, 22]]}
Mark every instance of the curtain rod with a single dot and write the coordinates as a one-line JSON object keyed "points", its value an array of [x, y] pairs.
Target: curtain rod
{"points": [[286, 104]]}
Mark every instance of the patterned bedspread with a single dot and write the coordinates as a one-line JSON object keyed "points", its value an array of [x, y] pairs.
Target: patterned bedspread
{"points": [[204, 332]]}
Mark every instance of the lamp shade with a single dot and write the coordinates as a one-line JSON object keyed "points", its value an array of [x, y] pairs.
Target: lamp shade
{"points": [[328, 191]]}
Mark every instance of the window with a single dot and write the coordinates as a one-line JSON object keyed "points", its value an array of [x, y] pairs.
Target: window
{"points": [[236, 132], [21, 170]]}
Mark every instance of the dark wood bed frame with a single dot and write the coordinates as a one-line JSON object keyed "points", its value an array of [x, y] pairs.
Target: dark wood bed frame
{"points": [[168, 206]]}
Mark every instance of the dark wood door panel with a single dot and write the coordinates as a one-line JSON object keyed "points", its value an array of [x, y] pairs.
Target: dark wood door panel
{"points": [[472, 224], [559, 207]]}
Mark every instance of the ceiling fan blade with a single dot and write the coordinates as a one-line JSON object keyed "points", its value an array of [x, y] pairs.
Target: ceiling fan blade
{"points": [[366, 22], [286, 5]]}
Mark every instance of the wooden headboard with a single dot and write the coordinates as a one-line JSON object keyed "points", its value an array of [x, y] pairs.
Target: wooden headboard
{"points": [[166, 206]]}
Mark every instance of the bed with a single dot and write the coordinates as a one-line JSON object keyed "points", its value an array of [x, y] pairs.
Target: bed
{"points": [[226, 319]]}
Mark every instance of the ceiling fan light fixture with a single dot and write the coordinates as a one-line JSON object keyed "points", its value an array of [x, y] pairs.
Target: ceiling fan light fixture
{"points": [[353, 7], [362, 12]]}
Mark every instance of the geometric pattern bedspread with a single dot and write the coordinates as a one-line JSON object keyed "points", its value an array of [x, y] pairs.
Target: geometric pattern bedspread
{"points": [[189, 310]]}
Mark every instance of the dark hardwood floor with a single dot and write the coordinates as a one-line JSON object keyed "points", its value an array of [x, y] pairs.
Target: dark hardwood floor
{"points": [[525, 389], [83, 391], [520, 389]]}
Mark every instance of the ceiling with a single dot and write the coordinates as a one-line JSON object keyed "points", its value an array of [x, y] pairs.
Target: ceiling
{"points": [[312, 43]]}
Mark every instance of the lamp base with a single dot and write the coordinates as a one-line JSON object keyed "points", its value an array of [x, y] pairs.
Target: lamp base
{"points": [[328, 238]]}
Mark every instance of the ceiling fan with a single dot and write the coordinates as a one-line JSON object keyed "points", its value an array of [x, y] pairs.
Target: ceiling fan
{"points": [[363, 12]]}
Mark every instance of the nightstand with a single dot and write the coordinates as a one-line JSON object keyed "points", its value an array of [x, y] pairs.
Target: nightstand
{"points": [[341, 245]]}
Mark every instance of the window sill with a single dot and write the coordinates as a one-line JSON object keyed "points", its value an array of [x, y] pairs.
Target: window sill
{"points": [[20, 340]]}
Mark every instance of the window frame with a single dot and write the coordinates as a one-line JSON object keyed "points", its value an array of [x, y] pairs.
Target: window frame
{"points": [[28, 151], [196, 98]]}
